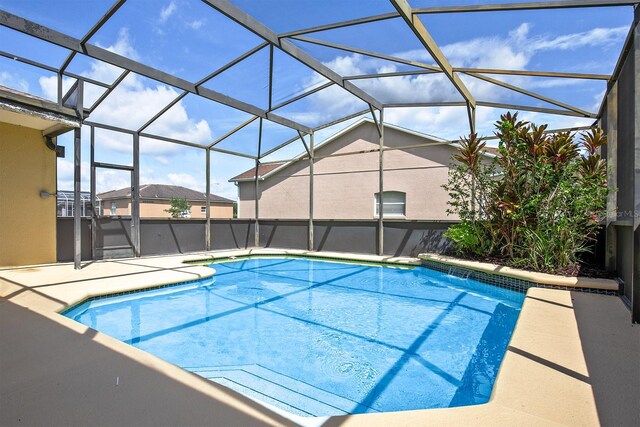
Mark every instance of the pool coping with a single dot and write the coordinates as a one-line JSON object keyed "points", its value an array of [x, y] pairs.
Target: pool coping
{"points": [[546, 328], [555, 280]]}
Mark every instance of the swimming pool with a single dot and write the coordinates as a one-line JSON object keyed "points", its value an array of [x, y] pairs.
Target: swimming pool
{"points": [[318, 338]]}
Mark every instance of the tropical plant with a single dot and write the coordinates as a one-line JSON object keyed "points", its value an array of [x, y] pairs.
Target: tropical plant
{"points": [[537, 203], [179, 208]]}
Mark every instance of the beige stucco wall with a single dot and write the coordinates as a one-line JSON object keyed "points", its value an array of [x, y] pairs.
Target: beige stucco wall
{"points": [[27, 222], [345, 186], [156, 209]]}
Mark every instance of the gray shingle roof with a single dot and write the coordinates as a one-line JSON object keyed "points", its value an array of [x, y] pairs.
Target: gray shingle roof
{"points": [[163, 192], [263, 169]]}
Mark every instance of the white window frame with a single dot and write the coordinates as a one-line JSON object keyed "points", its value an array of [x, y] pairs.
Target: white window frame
{"points": [[385, 195], [203, 210], [113, 208]]}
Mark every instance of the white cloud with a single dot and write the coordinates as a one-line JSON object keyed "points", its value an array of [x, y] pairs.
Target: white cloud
{"points": [[14, 81], [65, 175], [167, 11], [132, 103], [225, 189], [515, 51], [196, 25], [186, 180], [592, 38]]}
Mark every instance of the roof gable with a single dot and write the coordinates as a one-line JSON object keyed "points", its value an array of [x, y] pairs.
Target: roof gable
{"points": [[267, 169]]}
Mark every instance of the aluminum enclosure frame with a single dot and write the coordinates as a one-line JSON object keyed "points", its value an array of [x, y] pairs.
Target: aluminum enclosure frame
{"points": [[284, 42]]}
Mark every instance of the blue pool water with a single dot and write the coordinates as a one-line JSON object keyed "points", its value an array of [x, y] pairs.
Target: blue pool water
{"points": [[320, 338]]}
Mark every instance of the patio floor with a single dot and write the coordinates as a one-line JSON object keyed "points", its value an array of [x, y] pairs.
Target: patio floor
{"points": [[573, 360]]}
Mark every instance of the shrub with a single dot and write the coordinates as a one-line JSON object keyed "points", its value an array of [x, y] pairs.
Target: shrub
{"points": [[536, 203]]}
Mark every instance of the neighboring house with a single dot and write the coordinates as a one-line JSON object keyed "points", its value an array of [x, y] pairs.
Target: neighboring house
{"points": [[346, 186], [155, 199]]}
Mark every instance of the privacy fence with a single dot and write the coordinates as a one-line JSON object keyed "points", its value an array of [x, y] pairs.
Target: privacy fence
{"points": [[112, 236]]}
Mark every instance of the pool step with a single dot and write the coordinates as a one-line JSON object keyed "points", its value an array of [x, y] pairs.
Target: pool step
{"points": [[282, 391]]}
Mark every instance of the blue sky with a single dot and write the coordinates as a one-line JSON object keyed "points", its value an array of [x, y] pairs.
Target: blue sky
{"points": [[189, 39]]}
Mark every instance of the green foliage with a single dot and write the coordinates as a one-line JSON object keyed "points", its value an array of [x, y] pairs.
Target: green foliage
{"points": [[179, 208], [536, 203]]}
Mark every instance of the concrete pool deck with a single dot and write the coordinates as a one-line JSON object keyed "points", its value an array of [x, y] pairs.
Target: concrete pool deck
{"points": [[573, 359]]}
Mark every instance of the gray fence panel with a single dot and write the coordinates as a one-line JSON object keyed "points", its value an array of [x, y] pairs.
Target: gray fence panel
{"points": [[284, 234], [345, 236], [414, 237], [171, 236], [64, 239], [113, 237], [232, 234]]}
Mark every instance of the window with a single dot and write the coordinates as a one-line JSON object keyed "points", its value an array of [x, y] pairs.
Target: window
{"points": [[203, 210], [113, 208], [394, 203]]}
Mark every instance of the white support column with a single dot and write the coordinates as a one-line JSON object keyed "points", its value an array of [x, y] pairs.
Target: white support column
{"points": [[135, 196], [257, 190], [207, 231], [77, 230], [93, 193], [311, 155], [381, 185]]}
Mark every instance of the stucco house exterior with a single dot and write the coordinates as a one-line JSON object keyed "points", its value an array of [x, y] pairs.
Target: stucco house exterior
{"points": [[346, 186], [156, 198], [29, 126]]}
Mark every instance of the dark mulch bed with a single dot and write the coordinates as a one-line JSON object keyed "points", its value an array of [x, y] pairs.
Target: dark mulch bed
{"points": [[578, 269]]}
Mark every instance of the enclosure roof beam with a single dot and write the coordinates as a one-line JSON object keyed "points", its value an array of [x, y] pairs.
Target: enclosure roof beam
{"points": [[534, 109], [276, 148], [231, 63], [342, 24], [303, 95], [391, 74], [306, 147], [242, 18], [28, 61], [529, 93], [161, 112], [110, 89], [93, 30], [426, 104], [232, 131], [537, 5], [53, 69], [430, 69], [343, 119], [145, 135], [391, 58], [415, 24], [233, 153], [532, 73], [469, 8], [52, 36]]}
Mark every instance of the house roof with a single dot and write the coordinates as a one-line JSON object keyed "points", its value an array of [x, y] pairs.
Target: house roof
{"points": [[263, 169], [24, 109], [266, 169], [164, 192]]}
